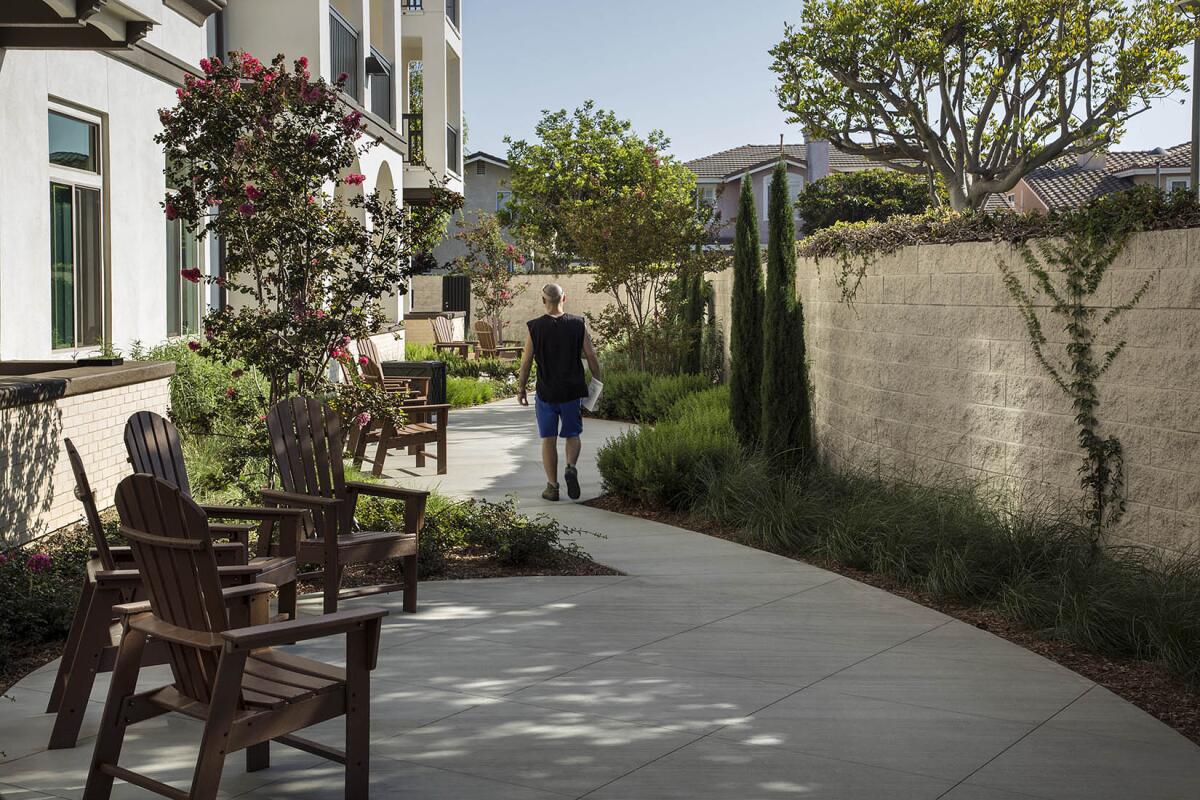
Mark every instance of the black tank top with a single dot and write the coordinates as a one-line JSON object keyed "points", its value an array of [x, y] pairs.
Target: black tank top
{"points": [[558, 350]]}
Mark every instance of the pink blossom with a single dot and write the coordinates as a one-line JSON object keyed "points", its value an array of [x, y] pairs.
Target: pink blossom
{"points": [[364, 360], [181, 93], [312, 140], [312, 94], [213, 200], [262, 417], [320, 313], [251, 66], [193, 345], [253, 192], [303, 62], [345, 341], [38, 562], [342, 76], [355, 178], [219, 281], [350, 121], [510, 249], [3, 558], [520, 258], [171, 211], [205, 65], [231, 392], [655, 161], [312, 200], [246, 209], [336, 352], [164, 116], [363, 419], [192, 274]]}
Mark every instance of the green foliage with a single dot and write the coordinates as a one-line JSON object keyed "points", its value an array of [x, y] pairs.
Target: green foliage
{"points": [[712, 347], [250, 151], [481, 529], [1067, 272], [955, 541], [463, 392], [644, 397], [871, 195], [661, 465], [693, 319], [855, 246], [457, 366], [746, 332], [786, 418], [978, 94]]}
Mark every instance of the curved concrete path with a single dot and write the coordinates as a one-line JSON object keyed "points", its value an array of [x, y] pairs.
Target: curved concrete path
{"points": [[709, 670]]}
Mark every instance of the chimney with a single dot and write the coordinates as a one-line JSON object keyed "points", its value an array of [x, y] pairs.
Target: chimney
{"points": [[816, 157], [1094, 160]]}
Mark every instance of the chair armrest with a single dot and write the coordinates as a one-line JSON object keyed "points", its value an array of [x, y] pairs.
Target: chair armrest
{"points": [[153, 626], [429, 408], [232, 593], [257, 513], [299, 630], [305, 501], [389, 492]]}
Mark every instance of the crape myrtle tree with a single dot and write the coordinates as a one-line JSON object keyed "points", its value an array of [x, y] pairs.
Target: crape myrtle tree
{"points": [[786, 424], [977, 93], [488, 261], [255, 151], [746, 331]]}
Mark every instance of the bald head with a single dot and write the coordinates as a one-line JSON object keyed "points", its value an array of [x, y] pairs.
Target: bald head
{"points": [[552, 295]]}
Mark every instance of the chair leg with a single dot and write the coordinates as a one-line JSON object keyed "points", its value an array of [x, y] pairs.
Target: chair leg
{"points": [[358, 715], [112, 724], [258, 756], [331, 587], [81, 675], [221, 709], [287, 599], [441, 449], [420, 455], [385, 437], [72, 645], [410, 584]]}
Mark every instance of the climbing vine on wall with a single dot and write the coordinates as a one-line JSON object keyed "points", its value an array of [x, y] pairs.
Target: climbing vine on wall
{"points": [[1066, 274]]}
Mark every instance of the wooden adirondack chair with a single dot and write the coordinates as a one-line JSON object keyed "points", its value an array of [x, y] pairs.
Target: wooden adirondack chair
{"points": [[443, 337], [152, 443], [415, 387], [92, 642], [490, 346], [227, 675], [306, 440]]}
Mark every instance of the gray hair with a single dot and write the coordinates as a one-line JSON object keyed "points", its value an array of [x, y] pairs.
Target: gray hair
{"points": [[553, 293]]}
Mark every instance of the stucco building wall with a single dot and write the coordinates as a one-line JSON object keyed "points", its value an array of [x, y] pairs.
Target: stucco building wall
{"points": [[930, 375]]}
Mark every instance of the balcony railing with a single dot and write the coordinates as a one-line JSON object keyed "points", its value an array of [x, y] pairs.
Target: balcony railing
{"points": [[379, 70], [414, 134], [453, 156], [343, 51], [452, 11]]}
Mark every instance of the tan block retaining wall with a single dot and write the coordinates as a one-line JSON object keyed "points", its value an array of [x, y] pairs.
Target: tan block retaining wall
{"points": [[36, 483], [931, 373]]}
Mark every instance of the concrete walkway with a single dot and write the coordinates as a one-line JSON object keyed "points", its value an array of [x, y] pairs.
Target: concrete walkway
{"points": [[709, 670]]}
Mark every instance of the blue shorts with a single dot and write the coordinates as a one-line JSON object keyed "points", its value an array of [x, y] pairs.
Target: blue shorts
{"points": [[549, 415]]}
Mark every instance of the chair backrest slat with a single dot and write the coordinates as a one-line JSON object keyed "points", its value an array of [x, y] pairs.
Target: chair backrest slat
{"points": [[307, 443], [83, 490], [441, 330], [373, 369], [486, 336], [154, 448], [173, 550]]}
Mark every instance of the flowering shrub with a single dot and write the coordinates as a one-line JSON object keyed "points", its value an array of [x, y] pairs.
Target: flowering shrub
{"points": [[489, 261], [360, 403], [251, 148]]}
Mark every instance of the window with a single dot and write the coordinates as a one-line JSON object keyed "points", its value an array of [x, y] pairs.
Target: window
{"points": [[183, 296], [77, 297], [502, 200], [708, 195], [1177, 183], [480, 168]]}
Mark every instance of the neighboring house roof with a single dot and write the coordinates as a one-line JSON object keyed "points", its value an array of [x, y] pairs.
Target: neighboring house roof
{"points": [[1177, 157], [1064, 187], [736, 161], [481, 155], [997, 202]]}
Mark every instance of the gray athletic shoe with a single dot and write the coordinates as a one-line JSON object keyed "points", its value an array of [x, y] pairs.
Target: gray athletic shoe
{"points": [[551, 492], [572, 482]]}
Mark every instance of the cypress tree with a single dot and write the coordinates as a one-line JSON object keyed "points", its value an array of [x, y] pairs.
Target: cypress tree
{"points": [[694, 322], [746, 325], [786, 424]]}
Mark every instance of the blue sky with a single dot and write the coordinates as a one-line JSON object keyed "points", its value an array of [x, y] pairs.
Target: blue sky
{"points": [[697, 69]]}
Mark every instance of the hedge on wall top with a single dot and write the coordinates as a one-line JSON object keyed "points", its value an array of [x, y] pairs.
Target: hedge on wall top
{"points": [[856, 244]]}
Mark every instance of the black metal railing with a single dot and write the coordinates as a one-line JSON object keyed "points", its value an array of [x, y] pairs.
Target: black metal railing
{"points": [[453, 156], [343, 51], [452, 11], [414, 133], [379, 70]]}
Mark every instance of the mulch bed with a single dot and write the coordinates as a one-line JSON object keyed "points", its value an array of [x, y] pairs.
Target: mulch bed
{"points": [[1148, 686]]}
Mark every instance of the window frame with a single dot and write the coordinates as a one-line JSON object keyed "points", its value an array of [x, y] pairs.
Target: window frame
{"points": [[76, 179], [1183, 183]]}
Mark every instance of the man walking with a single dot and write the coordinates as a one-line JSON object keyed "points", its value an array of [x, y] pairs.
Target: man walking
{"points": [[558, 342]]}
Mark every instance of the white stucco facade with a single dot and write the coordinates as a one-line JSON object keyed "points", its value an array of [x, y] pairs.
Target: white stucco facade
{"points": [[120, 92]]}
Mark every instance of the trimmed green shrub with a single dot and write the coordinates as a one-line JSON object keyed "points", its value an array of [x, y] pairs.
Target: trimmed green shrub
{"points": [[463, 392], [870, 195], [642, 397], [746, 333], [662, 465]]}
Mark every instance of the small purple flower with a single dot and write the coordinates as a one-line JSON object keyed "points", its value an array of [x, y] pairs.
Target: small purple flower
{"points": [[38, 562], [363, 419]]}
